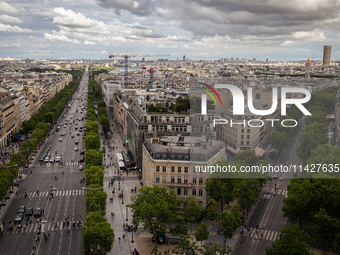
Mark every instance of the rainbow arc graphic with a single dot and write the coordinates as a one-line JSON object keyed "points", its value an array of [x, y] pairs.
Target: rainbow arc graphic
{"points": [[209, 93]]}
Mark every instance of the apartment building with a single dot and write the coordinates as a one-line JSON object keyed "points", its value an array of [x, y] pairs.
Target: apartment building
{"points": [[171, 162]]}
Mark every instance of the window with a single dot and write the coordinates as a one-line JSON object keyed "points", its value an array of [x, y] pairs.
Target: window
{"points": [[178, 191], [172, 169], [185, 180], [179, 179], [163, 178], [157, 168], [247, 142], [194, 170], [164, 168], [179, 169], [157, 178], [186, 169], [242, 136], [248, 136], [172, 179], [200, 202], [193, 179], [248, 131], [194, 192], [241, 142], [200, 192], [200, 180], [242, 131], [185, 191]]}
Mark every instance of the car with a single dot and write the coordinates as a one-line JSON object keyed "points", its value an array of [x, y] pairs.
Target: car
{"points": [[29, 211], [78, 134], [75, 128], [72, 136], [76, 148], [62, 134], [76, 142], [46, 160], [18, 218], [64, 126], [38, 212], [51, 159], [58, 127], [57, 159], [275, 176], [60, 139], [82, 152], [76, 123], [81, 167], [41, 159], [81, 158], [22, 209], [49, 155], [83, 137]]}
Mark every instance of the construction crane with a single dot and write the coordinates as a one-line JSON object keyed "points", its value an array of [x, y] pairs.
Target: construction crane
{"points": [[126, 58], [151, 71]]}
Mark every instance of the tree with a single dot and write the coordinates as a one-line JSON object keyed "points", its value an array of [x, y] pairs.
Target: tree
{"points": [[279, 140], [211, 212], [18, 159], [318, 132], [192, 210], [49, 117], [318, 117], [147, 98], [248, 198], [326, 227], [292, 241], [95, 200], [146, 208], [152, 108], [94, 175], [212, 248], [92, 142], [230, 221], [248, 156], [98, 236], [185, 246], [93, 158], [92, 126], [202, 233]]}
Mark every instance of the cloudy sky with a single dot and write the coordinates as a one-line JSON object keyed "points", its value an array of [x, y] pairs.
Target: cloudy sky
{"points": [[199, 29]]}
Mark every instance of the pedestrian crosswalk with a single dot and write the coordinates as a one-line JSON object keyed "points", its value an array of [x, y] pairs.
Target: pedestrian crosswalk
{"points": [[45, 227], [278, 191], [263, 234], [75, 163], [58, 193]]}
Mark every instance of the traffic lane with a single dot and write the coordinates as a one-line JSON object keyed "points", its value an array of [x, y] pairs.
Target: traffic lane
{"points": [[20, 243], [259, 210]]}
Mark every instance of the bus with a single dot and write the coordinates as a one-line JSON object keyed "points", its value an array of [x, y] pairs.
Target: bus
{"points": [[127, 161], [119, 157], [121, 167]]}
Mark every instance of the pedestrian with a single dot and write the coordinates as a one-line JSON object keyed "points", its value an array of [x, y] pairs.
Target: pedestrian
{"points": [[119, 239], [123, 237], [135, 189]]}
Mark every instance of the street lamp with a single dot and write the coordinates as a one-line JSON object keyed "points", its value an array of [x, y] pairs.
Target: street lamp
{"points": [[122, 198], [119, 185], [126, 214], [132, 235]]}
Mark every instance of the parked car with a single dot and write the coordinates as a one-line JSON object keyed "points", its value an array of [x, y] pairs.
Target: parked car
{"points": [[72, 136], [76, 142], [22, 209], [81, 167], [81, 158], [60, 139], [82, 152], [57, 159], [76, 148]]}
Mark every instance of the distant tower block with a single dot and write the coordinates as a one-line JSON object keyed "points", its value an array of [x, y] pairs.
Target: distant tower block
{"points": [[327, 55], [308, 65]]}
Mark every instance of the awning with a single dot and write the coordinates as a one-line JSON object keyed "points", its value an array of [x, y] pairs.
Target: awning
{"points": [[259, 151], [231, 150]]}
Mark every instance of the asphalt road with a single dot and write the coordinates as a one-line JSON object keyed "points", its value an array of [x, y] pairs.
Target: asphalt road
{"points": [[268, 215], [68, 199]]}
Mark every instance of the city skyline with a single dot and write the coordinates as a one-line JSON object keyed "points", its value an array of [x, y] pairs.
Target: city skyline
{"points": [[204, 29]]}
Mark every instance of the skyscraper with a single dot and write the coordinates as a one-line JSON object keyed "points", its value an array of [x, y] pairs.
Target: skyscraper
{"points": [[327, 55], [183, 58]]}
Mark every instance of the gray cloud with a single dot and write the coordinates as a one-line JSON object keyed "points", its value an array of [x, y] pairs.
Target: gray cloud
{"points": [[137, 7]]}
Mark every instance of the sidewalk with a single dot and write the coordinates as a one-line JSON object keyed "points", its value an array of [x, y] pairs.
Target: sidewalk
{"points": [[122, 212]]}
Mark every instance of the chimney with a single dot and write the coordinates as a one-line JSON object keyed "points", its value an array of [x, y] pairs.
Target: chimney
{"points": [[155, 140], [205, 146], [211, 142]]}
